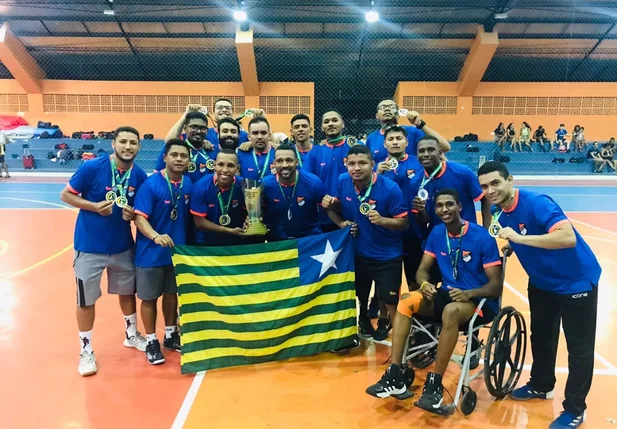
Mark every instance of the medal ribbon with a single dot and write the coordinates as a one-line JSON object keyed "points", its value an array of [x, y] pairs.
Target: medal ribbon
{"points": [[197, 152], [175, 197], [335, 140], [261, 172], [225, 208], [298, 155], [362, 198], [454, 261], [425, 180], [117, 182], [293, 194]]}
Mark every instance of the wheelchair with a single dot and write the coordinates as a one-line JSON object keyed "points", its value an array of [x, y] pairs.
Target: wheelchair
{"points": [[504, 353]]}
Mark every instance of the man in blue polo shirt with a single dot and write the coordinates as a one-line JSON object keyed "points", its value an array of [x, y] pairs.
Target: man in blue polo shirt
{"points": [[217, 203], [223, 108], [291, 198], [388, 114], [399, 166], [202, 160], [469, 261], [563, 287], [438, 175], [258, 161], [228, 133], [104, 190], [327, 161], [301, 131], [162, 213], [376, 209]]}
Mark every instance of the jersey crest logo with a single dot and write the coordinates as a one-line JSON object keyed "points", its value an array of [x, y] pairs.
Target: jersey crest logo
{"points": [[522, 228], [411, 173], [300, 201], [131, 191], [466, 255]]}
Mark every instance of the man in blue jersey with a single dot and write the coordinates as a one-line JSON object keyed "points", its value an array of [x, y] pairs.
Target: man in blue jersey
{"points": [[388, 114], [301, 131], [291, 198], [195, 127], [217, 203], [399, 166], [104, 190], [438, 175], [563, 287], [376, 209], [327, 161], [469, 261], [162, 213], [228, 133], [258, 161]]}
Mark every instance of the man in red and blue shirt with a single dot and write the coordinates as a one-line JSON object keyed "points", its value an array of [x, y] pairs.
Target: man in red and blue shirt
{"points": [[162, 214], [104, 191], [470, 265], [258, 161], [301, 131], [291, 198], [563, 287], [375, 209]]}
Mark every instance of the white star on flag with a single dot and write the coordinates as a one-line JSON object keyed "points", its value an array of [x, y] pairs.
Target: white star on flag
{"points": [[327, 258]]}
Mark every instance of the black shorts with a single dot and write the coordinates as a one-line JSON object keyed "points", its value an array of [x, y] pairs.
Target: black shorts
{"points": [[1, 159], [413, 253], [387, 276], [443, 298]]}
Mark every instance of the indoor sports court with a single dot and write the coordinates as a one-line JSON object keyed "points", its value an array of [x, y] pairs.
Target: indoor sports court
{"points": [[37, 344]]}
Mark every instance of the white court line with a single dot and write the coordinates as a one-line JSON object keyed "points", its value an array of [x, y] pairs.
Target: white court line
{"points": [[606, 240], [183, 413], [593, 226], [608, 262], [30, 192]]}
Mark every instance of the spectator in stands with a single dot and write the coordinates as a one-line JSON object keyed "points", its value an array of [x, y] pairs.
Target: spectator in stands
{"points": [[562, 143], [524, 137], [540, 137], [3, 164], [594, 155], [578, 138], [500, 135], [608, 154], [510, 134]]}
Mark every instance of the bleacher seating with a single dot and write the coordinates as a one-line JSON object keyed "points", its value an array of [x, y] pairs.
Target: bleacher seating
{"points": [[521, 163]]}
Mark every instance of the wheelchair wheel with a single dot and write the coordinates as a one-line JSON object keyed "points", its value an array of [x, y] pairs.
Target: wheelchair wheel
{"points": [[427, 357], [469, 401], [505, 352]]}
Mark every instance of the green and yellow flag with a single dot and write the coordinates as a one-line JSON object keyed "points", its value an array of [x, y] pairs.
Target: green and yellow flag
{"points": [[249, 304]]}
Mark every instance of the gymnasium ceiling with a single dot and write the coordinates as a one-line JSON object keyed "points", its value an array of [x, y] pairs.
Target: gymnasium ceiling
{"points": [[328, 42]]}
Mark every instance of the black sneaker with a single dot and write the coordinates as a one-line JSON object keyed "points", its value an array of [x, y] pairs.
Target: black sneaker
{"points": [[173, 342], [153, 353], [432, 394], [383, 327], [373, 308], [391, 383], [474, 362], [365, 328]]}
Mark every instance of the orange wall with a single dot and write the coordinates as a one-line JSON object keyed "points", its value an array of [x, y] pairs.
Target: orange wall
{"points": [[596, 127], [153, 123]]}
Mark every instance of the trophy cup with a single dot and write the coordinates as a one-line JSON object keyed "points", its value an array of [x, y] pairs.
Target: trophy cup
{"points": [[252, 198]]}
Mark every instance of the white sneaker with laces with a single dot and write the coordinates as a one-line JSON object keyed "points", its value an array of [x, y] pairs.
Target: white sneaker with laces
{"points": [[136, 341], [87, 364]]}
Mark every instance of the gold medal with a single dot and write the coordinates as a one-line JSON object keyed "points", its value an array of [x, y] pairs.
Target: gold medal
{"points": [[210, 164], [224, 220], [365, 208], [192, 167], [110, 196], [122, 202], [174, 214], [351, 141], [423, 194], [393, 163], [494, 230]]}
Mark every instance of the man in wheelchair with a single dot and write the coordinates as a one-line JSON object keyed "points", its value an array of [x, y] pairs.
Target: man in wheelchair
{"points": [[469, 261]]}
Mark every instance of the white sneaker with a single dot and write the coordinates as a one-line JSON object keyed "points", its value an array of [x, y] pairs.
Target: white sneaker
{"points": [[136, 341], [87, 364]]}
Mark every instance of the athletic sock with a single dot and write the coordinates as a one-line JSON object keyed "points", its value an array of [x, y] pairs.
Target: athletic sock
{"points": [[85, 339], [131, 325], [151, 338], [169, 330]]}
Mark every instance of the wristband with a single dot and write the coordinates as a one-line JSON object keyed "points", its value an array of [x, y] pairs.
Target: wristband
{"points": [[422, 124], [422, 285], [157, 236]]}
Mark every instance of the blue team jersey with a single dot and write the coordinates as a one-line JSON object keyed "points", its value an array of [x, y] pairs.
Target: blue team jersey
{"points": [[154, 202], [303, 206], [202, 160], [375, 142], [302, 155], [264, 167], [477, 251], [213, 137], [561, 271], [452, 175], [407, 169], [205, 203], [103, 234], [561, 134], [373, 241]]}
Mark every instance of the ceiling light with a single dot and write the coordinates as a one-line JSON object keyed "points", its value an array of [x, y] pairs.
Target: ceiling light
{"points": [[240, 15], [109, 12], [371, 16]]}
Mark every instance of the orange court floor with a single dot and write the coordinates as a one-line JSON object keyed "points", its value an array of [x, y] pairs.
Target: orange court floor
{"points": [[39, 349]]}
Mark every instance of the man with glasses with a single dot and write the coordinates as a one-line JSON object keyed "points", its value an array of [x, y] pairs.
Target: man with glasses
{"points": [[388, 114]]}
